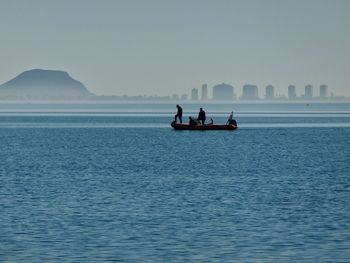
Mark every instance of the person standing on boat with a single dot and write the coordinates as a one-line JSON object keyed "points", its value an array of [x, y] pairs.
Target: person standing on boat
{"points": [[201, 116], [179, 113]]}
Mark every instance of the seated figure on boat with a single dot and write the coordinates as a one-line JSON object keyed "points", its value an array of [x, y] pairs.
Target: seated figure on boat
{"points": [[230, 120], [192, 121]]}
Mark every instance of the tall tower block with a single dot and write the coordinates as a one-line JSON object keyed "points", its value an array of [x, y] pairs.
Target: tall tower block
{"points": [[323, 91], [223, 92], [308, 92], [270, 92], [194, 94], [292, 93], [250, 92], [204, 92]]}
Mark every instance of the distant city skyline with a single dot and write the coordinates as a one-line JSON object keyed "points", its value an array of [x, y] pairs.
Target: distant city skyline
{"points": [[226, 91], [51, 84], [158, 48]]}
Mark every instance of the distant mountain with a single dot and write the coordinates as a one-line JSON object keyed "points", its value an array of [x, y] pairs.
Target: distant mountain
{"points": [[39, 84]]}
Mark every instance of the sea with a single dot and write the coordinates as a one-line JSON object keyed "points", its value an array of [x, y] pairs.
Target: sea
{"points": [[111, 181]]}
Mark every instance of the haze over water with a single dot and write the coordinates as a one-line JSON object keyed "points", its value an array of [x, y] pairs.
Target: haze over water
{"points": [[87, 182], [87, 175]]}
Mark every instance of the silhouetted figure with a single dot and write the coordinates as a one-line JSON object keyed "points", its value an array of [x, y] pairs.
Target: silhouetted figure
{"points": [[192, 121], [179, 113], [230, 120], [201, 116], [211, 121]]}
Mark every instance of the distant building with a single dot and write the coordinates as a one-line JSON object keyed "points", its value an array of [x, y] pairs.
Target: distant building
{"points": [[204, 92], [250, 92], [292, 92], [270, 92], [194, 94], [184, 97], [175, 97], [323, 91], [308, 92], [223, 92]]}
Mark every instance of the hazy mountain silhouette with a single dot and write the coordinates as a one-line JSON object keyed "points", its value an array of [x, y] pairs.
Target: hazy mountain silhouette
{"points": [[39, 84]]}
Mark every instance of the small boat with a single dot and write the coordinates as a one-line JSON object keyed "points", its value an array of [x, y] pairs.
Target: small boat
{"points": [[206, 127]]}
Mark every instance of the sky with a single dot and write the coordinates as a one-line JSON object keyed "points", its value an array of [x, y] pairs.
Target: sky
{"points": [[162, 47]]}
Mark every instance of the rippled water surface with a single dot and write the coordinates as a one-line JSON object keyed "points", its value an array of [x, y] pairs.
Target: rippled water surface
{"points": [[113, 182]]}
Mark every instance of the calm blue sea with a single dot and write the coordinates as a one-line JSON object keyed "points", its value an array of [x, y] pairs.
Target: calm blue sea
{"points": [[97, 182]]}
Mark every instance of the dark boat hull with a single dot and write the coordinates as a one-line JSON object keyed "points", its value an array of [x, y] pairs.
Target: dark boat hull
{"points": [[206, 127]]}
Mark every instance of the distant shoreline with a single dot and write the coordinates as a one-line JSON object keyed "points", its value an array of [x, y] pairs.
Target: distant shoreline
{"points": [[169, 101]]}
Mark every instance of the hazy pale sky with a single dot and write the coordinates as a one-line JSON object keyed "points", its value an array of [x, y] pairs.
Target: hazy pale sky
{"points": [[164, 47]]}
